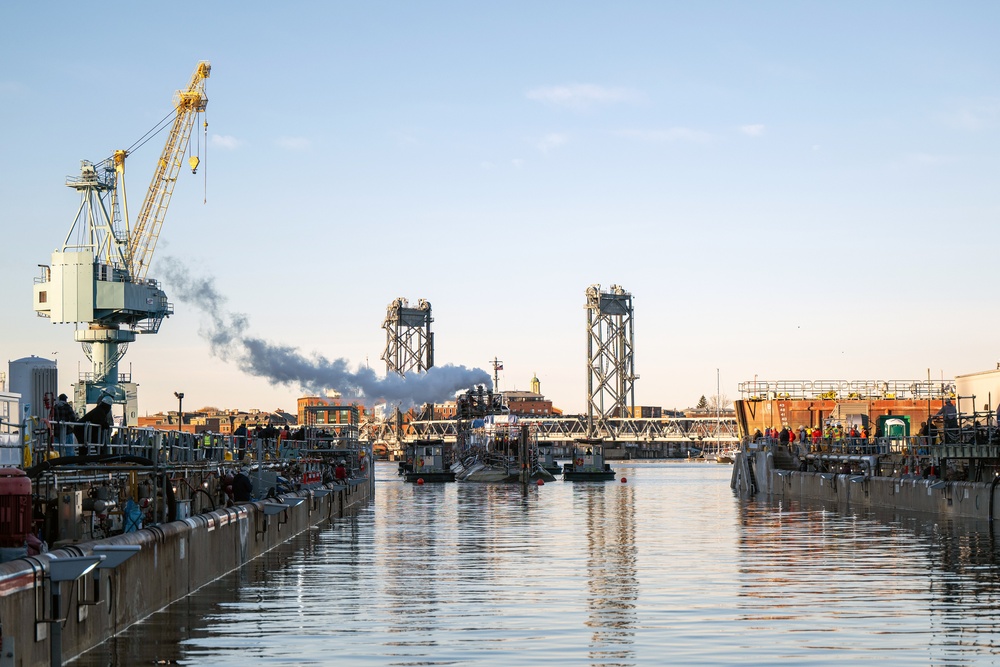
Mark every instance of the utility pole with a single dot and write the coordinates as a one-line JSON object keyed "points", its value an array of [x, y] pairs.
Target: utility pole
{"points": [[180, 410], [497, 367]]}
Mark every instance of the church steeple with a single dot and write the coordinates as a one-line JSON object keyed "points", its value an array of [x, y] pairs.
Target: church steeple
{"points": [[536, 386]]}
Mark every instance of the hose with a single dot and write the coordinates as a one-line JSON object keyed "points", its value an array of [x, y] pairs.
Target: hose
{"points": [[45, 466]]}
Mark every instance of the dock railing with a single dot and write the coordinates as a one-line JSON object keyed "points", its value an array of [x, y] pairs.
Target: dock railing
{"points": [[982, 443], [174, 447], [843, 390]]}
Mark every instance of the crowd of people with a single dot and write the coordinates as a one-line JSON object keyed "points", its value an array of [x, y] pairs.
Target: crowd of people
{"points": [[814, 436]]}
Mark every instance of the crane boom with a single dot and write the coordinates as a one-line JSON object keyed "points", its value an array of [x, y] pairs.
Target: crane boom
{"points": [[188, 103]]}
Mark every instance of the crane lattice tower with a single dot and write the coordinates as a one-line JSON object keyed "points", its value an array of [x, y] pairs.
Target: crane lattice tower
{"points": [[409, 342], [610, 362]]}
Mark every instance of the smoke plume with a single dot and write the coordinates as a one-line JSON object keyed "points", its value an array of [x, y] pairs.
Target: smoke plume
{"points": [[229, 339]]}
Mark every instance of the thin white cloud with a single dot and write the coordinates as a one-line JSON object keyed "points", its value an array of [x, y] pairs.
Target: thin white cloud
{"points": [[755, 130], [580, 95], [975, 115], [669, 135], [293, 143], [517, 162], [226, 142], [552, 141]]}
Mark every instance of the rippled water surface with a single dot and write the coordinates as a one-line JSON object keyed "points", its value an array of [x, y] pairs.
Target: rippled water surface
{"points": [[669, 567]]}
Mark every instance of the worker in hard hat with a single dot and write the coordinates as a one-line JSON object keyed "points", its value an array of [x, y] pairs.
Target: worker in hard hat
{"points": [[95, 427]]}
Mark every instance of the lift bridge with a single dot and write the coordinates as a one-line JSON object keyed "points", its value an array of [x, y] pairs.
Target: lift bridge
{"points": [[611, 380]]}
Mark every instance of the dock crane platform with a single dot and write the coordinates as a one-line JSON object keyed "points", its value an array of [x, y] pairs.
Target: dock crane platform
{"points": [[98, 276]]}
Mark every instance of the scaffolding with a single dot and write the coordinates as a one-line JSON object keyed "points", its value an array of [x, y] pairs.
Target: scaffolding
{"points": [[409, 343], [610, 362]]}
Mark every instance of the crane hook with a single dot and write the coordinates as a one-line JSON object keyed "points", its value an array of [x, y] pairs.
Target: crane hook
{"points": [[194, 161]]}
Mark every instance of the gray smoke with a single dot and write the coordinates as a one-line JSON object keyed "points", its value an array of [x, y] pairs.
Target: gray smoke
{"points": [[229, 339]]}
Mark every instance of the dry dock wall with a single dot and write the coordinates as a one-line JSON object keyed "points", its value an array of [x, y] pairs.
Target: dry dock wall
{"points": [[175, 560], [959, 500]]}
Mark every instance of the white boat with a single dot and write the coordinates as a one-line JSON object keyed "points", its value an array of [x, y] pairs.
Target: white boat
{"points": [[726, 456]]}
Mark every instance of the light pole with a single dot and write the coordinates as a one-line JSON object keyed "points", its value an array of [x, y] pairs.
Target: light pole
{"points": [[180, 410]]}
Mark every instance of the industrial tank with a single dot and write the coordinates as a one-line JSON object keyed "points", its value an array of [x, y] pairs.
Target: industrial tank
{"points": [[36, 380]]}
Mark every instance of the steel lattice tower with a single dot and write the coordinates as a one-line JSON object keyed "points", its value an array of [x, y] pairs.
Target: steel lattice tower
{"points": [[610, 363], [409, 343]]}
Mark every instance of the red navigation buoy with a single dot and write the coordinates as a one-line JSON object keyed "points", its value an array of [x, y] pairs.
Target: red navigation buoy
{"points": [[624, 479], [420, 480], [541, 482]]}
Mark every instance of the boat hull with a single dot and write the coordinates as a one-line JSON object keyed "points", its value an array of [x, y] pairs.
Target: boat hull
{"points": [[588, 475], [429, 476]]}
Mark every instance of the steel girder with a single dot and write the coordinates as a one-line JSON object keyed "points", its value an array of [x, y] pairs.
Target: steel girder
{"points": [[409, 343], [610, 361], [626, 431]]}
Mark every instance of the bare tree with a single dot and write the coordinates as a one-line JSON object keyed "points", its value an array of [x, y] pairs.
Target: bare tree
{"points": [[720, 403]]}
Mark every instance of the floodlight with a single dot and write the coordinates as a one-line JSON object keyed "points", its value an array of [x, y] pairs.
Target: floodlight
{"points": [[115, 554], [270, 509], [72, 568]]}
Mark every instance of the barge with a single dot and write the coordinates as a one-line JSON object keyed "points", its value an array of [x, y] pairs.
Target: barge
{"points": [[492, 445], [157, 517], [863, 446]]}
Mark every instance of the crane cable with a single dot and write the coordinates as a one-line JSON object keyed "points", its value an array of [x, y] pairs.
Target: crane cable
{"points": [[204, 173], [141, 141]]}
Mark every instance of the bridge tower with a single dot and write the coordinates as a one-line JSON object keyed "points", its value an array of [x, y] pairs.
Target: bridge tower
{"points": [[409, 343], [610, 363]]}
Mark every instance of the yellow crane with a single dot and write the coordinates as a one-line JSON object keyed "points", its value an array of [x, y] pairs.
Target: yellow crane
{"points": [[188, 103], [98, 277]]}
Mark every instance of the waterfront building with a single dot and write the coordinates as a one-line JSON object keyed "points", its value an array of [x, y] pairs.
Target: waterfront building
{"points": [[214, 420]]}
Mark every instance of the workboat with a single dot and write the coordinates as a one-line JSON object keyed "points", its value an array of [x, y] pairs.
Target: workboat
{"points": [[492, 445], [427, 461], [548, 460], [588, 463]]}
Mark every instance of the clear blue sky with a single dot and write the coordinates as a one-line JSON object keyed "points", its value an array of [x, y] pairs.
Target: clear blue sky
{"points": [[793, 190]]}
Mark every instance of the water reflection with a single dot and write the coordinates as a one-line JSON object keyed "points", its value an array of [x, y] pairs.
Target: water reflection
{"points": [[875, 581], [669, 568], [609, 517]]}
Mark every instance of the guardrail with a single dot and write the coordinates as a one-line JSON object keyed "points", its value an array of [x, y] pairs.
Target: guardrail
{"points": [[985, 444], [59, 439], [846, 389]]}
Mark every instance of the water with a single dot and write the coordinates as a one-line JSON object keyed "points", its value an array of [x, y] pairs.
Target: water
{"points": [[668, 568]]}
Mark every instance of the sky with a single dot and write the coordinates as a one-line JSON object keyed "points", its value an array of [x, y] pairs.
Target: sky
{"points": [[788, 190]]}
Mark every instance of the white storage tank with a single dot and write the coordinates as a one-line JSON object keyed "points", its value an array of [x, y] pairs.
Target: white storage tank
{"points": [[985, 386], [37, 381]]}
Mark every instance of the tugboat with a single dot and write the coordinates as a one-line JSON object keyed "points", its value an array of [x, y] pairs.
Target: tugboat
{"points": [[492, 446], [588, 463], [426, 460]]}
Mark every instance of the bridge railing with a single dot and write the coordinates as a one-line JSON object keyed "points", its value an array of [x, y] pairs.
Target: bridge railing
{"points": [[625, 430]]}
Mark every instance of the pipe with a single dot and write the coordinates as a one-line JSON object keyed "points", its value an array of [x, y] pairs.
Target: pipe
{"points": [[993, 486]]}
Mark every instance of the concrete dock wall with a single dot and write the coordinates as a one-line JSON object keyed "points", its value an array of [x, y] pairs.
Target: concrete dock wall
{"points": [[965, 500], [175, 560]]}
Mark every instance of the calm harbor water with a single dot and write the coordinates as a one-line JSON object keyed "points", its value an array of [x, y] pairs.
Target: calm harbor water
{"points": [[669, 568]]}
